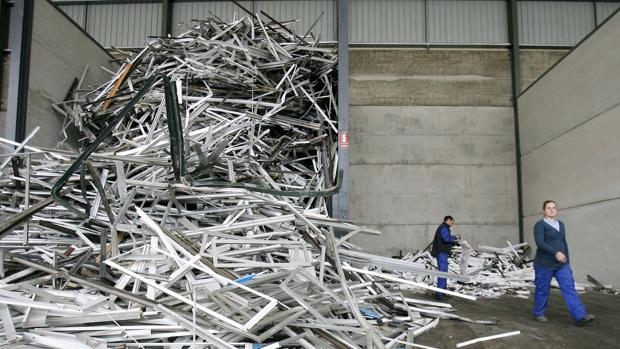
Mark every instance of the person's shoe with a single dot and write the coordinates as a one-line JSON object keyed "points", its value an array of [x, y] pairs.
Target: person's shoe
{"points": [[541, 319], [585, 320]]}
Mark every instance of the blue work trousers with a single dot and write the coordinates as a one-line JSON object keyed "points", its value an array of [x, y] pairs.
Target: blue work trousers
{"points": [[564, 276], [442, 265]]}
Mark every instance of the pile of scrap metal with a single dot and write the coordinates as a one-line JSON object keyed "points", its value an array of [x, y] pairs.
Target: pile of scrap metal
{"points": [[195, 212], [491, 271]]}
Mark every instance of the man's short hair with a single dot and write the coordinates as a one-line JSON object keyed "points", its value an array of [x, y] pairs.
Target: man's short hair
{"points": [[448, 218]]}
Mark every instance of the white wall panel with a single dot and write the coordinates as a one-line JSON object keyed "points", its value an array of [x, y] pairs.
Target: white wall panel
{"points": [[59, 53], [570, 152], [605, 9], [76, 12], [455, 22], [467, 22], [388, 21], [554, 23], [124, 25]]}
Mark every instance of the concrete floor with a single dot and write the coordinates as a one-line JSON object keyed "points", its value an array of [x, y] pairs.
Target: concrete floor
{"points": [[515, 315]]}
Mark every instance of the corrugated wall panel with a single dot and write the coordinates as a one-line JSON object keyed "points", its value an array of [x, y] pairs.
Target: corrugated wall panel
{"points": [[371, 21], [554, 23], [604, 9], [124, 25], [184, 12], [307, 11], [75, 12], [467, 22], [388, 21]]}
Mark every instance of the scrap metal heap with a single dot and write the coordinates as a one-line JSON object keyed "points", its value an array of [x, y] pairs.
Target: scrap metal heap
{"points": [[195, 212], [491, 271]]}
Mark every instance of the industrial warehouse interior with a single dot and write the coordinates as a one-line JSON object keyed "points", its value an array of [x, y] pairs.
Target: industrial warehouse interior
{"points": [[262, 174]]}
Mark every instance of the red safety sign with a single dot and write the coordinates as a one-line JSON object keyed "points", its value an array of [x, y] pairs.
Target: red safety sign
{"points": [[343, 140]]}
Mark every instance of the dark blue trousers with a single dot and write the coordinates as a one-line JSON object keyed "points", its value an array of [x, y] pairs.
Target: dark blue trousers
{"points": [[442, 265], [564, 276]]}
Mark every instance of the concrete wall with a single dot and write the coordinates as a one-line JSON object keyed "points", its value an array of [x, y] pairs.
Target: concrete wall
{"points": [[569, 122], [431, 134], [60, 52], [534, 62], [430, 77]]}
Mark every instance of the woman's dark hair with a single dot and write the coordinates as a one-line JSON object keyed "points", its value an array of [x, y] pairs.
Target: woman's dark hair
{"points": [[548, 202]]}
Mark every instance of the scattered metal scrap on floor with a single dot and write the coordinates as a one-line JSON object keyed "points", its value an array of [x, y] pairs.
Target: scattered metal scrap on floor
{"points": [[490, 271]]}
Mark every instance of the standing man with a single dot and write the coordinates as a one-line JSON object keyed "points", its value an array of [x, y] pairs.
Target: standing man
{"points": [[442, 245]]}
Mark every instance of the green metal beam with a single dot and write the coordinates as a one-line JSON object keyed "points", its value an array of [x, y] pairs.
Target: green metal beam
{"points": [[166, 17], [515, 65]]}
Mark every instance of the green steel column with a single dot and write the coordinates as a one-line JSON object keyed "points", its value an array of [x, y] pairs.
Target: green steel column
{"points": [[515, 65], [166, 17], [340, 203]]}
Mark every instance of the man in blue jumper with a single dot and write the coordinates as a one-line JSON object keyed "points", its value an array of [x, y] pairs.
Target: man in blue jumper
{"points": [[442, 245]]}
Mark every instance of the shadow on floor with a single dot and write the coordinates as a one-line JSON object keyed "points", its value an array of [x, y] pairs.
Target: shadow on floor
{"points": [[515, 314]]}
